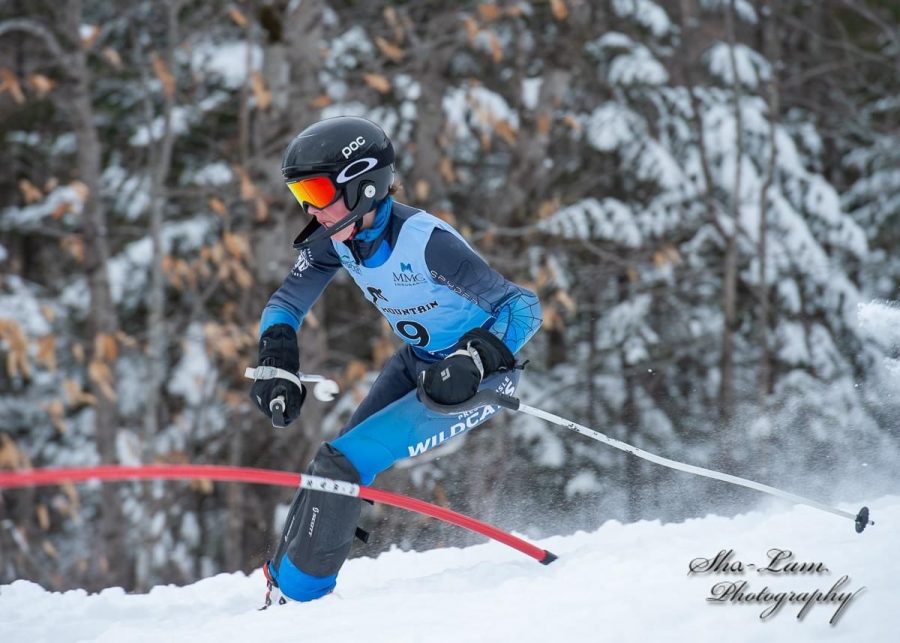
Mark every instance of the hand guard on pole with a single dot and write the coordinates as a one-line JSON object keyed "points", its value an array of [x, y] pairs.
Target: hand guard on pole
{"points": [[476, 355]]}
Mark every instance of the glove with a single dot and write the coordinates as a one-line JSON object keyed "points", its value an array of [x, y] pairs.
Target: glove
{"points": [[476, 355], [278, 348]]}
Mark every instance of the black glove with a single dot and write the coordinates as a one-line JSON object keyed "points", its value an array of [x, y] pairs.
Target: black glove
{"points": [[476, 355], [278, 348]]}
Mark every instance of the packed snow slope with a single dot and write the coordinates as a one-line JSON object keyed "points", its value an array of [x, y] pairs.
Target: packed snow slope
{"points": [[623, 582]]}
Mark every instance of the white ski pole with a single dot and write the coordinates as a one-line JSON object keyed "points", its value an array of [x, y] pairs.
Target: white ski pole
{"points": [[860, 519]]}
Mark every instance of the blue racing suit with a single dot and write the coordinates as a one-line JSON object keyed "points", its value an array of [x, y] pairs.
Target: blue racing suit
{"points": [[432, 287]]}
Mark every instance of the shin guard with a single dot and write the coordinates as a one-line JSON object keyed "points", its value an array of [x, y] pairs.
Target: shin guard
{"points": [[318, 532]]}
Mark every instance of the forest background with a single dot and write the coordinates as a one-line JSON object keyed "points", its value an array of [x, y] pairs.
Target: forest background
{"points": [[702, 193]]}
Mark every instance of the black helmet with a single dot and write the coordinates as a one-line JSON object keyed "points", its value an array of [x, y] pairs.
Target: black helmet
{"points": [[345, 156]]}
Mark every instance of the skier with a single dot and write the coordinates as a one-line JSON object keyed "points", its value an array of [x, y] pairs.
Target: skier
{"points": [[460, 320]]}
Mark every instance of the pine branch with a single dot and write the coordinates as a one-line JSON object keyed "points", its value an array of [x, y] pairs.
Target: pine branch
{"points": [[40, 32]]}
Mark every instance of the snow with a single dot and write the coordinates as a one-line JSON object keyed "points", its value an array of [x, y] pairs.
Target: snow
{"points": [[654, 162], [622, 582], [128, 448], [397, 125], [65, 144], [531, 90], [583, 482], [750, 66], [591, 218], [182, 118], [179, 124], [191, 377], [130, 192], [353, 108], [227, 59], [550, 450], [823, 201], [129, 270], [19, 303], [646, 13], [407, 87], [792, 346], [789, 295], [26, 138], [345, 53], [637, 67], [610, 40], [742, 8], [611, 125], [477, 107], [626, 325], [879, 321], [86, 31], [131, 384], [217, 173], [35, 214], [346, 50]]}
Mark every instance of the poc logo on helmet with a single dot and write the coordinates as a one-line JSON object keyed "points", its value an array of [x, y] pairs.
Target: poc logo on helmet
{"points": [[352, 146]]}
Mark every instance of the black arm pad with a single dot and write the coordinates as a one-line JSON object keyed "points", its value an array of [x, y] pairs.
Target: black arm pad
{"points": [[278, 348]]}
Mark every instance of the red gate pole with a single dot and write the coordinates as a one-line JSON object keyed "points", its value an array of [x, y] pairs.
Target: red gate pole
{"points": [[108, 473]]}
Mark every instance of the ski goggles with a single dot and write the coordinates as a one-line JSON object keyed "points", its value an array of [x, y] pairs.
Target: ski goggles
{"points": [[317, 191]]}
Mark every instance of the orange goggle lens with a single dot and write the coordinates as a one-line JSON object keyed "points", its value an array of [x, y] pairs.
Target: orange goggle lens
{"points": [[318, 191]]}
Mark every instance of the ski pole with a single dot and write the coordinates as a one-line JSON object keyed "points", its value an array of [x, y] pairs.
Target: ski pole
{"points": [[323, 390], [493, 398]]}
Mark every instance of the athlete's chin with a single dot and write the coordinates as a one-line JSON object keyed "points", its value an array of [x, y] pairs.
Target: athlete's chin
{"points": [[343, 235]]}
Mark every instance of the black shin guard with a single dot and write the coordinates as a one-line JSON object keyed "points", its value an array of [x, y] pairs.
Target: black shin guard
{"points": [[320, 526], [291, 525]]}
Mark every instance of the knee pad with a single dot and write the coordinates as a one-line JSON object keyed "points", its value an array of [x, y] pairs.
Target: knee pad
{"points": [[321, 526]]}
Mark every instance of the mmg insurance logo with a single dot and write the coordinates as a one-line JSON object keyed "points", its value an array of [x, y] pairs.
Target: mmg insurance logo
{"points": [[408, 277]]}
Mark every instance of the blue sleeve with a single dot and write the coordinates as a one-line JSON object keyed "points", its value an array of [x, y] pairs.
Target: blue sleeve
{"points": [[516, 310], [314, 269]]}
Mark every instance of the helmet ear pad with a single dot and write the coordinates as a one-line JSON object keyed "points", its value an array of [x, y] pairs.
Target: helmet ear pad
{"points": [[356, 194]]}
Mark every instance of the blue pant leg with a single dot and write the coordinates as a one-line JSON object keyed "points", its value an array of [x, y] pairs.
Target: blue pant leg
{"points": [[300, 586], [406, 428], [397, 378]]}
